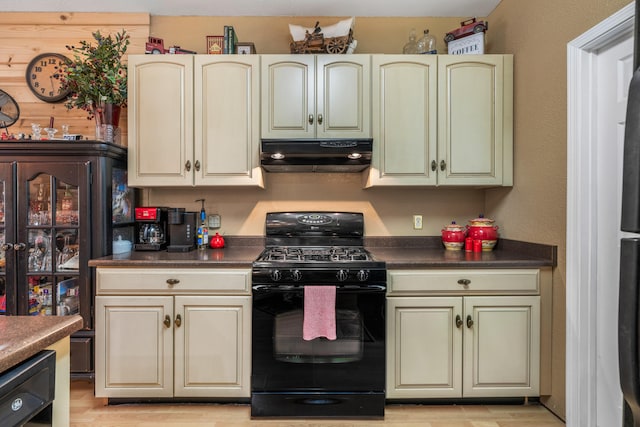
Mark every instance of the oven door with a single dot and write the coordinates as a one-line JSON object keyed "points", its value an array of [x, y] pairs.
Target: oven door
{"points": [[284, 362]]}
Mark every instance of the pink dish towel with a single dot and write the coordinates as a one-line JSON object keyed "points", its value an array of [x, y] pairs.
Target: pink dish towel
{"points": [[319, 312]]}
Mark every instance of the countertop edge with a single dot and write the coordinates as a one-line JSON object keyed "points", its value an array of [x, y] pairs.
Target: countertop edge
{"points": [[36, 334]]}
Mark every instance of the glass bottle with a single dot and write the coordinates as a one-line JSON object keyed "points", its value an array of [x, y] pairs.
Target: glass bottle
{"points": [[411, 47], [427, 44]]}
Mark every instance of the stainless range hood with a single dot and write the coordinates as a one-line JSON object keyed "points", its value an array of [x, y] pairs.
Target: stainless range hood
{"points": [[316, 155]]}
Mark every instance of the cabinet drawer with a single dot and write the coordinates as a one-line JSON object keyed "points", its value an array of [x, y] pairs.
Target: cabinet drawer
{"points": [[160, 281], [467, 281]]}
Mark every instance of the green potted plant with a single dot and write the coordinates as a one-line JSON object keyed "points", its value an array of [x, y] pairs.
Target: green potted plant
{"points": [[97, 77]]}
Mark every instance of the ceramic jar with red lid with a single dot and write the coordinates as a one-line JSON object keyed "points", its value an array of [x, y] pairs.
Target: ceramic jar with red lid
{"points": [[482, 229], [453, 236], [216, 242]]}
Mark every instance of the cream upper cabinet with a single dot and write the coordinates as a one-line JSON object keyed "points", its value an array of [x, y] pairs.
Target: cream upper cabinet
{"points": [[475, 120], [227, 120], [404, 117], [160, 120], [195, 120], [442, 120], [316, 96]]}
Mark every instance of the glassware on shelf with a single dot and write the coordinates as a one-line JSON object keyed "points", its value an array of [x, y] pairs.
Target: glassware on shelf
{"points": [[50, 132], [39, 252], [37, 131], [411, 47], [427, 44]]}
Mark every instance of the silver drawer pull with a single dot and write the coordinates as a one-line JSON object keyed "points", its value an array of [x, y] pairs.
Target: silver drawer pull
{"points": [[172, 282], [464, 282]]}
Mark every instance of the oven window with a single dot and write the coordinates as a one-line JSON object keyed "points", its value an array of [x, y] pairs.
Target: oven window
{"points": [[289, 346]]}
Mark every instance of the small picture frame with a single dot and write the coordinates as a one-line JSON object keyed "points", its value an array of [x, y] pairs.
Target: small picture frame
{"points": [[245, 48]]}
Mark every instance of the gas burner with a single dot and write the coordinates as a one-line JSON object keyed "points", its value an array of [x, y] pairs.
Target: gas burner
{"points": [[303, 254]]}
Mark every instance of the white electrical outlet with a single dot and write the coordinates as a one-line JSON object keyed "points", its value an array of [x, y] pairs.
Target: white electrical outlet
{"points": [[417, 222], [214, 221]]}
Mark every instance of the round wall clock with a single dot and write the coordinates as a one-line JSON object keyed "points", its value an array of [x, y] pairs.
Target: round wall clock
{"points": [[43, 76]]}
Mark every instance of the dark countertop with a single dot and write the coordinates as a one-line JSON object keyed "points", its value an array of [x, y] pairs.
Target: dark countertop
{"points": [[23, 336], [398, 252]]}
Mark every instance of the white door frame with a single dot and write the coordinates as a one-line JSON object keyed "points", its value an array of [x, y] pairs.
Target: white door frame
{"points": [[582, 248]]}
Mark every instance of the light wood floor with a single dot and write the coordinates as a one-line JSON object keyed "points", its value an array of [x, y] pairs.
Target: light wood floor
{"points": [[86, 410]]}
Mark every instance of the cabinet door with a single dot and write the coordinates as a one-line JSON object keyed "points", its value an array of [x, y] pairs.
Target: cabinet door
{"points": [[8, 276], [501, 346], [404, 99], [227, 120], [160, 120], [424, 350], [343, 90], [54, 227], [213, 346], [134, 346], [475, 119], [288, 96]]}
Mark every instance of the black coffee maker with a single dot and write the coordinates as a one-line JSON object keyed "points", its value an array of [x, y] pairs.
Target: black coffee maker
{"points": [[151, 229], [182, 230]]}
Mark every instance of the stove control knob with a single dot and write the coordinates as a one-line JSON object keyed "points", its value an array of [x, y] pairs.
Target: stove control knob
{"points": [[276, 275], [363, 275], [296, 275], [342, 275]]}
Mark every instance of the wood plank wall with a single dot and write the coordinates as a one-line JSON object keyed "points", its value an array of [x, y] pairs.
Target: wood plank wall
{"points": [[25, 35]]}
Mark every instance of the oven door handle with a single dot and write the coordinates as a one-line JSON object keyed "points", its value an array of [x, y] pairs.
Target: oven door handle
{"points": [[289, 288]]}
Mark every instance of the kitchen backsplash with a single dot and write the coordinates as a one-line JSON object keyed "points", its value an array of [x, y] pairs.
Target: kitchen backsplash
{"points": [[387, 211]]}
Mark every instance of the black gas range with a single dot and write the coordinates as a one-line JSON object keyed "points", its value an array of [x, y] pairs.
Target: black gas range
{"points": [[341, 377]]}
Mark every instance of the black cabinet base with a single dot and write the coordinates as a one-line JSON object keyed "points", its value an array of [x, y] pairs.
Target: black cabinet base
{"points": [[318, 405]]}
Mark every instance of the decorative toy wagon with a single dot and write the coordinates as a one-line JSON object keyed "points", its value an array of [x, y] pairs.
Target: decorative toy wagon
{"points": [[335, 38]]}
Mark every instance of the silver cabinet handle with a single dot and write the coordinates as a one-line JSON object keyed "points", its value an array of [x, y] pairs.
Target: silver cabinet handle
{"points": [[469, 322], [197, 165], [434, 165], [310, 119], [172, 282], [464, 282], [19, 247], [443, 165], [458, 321], [187, 165], [7, 247], [319, 119]]}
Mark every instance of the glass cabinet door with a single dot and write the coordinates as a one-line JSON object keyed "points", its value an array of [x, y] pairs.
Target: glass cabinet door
{"points": [[55, 277]]}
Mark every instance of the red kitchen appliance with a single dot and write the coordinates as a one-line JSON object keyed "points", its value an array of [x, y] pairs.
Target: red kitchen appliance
{"points": [[151, 228]]}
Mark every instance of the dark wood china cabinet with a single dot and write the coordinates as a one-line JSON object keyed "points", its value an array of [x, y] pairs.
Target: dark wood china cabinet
{"points": [[61, 204]]}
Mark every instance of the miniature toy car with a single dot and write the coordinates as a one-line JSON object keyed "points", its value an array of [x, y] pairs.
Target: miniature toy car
{"points": [[155, 45], [467, 28]]}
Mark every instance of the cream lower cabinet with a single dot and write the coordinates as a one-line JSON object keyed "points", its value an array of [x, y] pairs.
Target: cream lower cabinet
{"points": [[442, 120], [459, 346], [194, 120], [175, 345]]}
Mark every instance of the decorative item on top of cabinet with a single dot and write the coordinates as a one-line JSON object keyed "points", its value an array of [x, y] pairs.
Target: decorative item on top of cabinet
{"points": [[442, 120], [316, 96], [181, 134], [336, 38]]}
